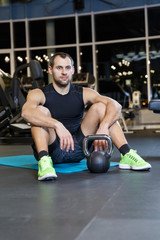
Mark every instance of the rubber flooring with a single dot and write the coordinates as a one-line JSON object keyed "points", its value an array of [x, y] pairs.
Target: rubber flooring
{"points": [[120, 204]]}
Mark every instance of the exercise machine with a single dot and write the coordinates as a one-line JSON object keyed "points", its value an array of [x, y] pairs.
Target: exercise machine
{"points": [[154, 105], [12, 100], [84, 79]]}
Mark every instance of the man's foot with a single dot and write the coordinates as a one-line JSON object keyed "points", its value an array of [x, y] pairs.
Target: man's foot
{"points": [[46, 170], [133, 161]]}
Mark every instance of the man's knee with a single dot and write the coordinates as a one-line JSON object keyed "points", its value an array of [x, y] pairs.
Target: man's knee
{"points": [[98, 108], [93, 117]]}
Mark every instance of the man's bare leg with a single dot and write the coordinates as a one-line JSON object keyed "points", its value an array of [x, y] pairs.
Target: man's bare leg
{"points": [[42, 138], [129, 158], [92, 119]]}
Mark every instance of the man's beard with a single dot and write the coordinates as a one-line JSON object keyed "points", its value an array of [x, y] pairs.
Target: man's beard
{"points": [[61, 83]]}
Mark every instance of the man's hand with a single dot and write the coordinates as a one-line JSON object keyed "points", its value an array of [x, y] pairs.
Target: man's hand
{"points": [[66, 140], [101, 145]]}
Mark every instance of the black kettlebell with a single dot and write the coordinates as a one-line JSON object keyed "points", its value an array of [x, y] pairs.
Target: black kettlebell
{"points": [[98, 161]]}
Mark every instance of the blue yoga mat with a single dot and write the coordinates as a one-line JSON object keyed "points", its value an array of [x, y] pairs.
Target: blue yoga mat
{"points": [[29, 162]]}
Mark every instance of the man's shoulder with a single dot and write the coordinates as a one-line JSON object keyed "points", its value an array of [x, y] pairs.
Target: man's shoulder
{"points": [[47, 87]]}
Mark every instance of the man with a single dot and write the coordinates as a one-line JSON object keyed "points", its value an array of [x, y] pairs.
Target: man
{"points": [[58, 123]]}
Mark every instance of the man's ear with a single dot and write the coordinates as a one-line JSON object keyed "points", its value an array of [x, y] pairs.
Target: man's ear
{"points": [[50, 70], [73, 70]]}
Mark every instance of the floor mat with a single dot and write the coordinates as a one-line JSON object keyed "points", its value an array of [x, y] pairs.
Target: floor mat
{"points": [[29, 162]]}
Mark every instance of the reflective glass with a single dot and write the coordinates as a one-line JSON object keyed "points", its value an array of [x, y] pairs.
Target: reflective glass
{"points": [[5, 35], [20, 58], [5, 62], [19, 35], [64, 29], [154, 52], [42, 56], [52, 32], [37, 33], [86, 60], [4, 71], [85, 34], [154, 21], [123, 64], [119, 25]]}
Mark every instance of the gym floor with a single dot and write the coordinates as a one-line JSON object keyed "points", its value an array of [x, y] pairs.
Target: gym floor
{"points": [[118, 205]]}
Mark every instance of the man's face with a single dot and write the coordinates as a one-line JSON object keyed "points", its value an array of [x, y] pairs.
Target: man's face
{"points": [[62, 71]]}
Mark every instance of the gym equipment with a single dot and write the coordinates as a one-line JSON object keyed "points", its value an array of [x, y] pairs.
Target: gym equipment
{"points": [[123, 95], [5, 116], [98, 161], [36, 74], [136, 99], [84, 79], [12, 100], [13, 97], [114, 90], [154, 105]]}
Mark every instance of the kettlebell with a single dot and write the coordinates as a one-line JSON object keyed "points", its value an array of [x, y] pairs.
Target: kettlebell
{"points": [[98, 161]]}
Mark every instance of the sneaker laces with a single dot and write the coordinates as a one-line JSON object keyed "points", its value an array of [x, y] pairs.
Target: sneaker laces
{"points": [[45, 163], [134, 157]]}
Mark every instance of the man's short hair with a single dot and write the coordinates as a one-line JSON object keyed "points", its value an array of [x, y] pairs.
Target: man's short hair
{"points": [[62, 55]]}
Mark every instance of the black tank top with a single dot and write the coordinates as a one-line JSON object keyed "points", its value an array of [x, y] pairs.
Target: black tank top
{"points": [[68, 109]]}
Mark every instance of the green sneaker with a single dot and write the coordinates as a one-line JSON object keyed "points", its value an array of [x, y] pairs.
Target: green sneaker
{"points": [[46, 170], [132, 160]]}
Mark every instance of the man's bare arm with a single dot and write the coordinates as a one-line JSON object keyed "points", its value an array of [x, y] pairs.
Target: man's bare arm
{"points": [[36, 117], [113, 108], [31, 112]]}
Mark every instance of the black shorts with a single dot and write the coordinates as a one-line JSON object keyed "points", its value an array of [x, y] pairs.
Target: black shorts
{"points": [[61, 156]]}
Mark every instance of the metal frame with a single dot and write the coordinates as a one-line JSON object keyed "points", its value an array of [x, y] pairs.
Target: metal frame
{"points": [[146, 38]]}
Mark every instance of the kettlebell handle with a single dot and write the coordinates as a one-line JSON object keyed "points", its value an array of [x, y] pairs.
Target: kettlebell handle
{"points": [[105, 137]]}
